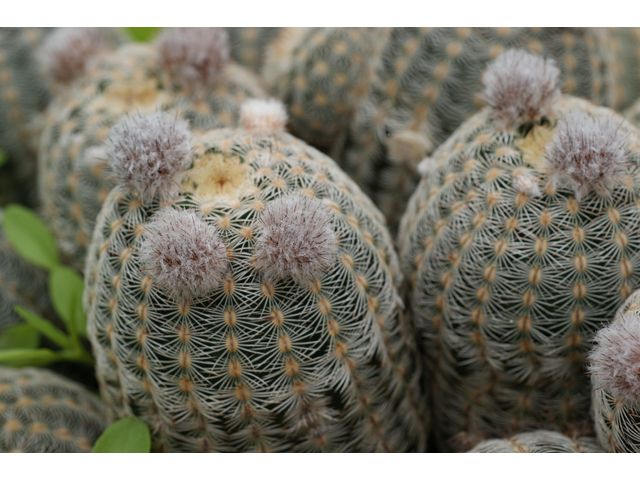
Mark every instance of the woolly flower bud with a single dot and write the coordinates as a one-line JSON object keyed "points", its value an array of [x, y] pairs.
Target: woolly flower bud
{"points": [[194, 57], [297, 241], [526, 183], [427, 165], [587, 153], [615, 361], [67, 52], [183, 254], [521, 87], [263, 116], [149, 154]]}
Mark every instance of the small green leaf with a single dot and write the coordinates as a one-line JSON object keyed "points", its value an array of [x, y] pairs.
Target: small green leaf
{"points": [[29, 236], [19, 336], [65, 289], [45, 327], [28, 356], [3, 158], [142, 34], [128, 435]]}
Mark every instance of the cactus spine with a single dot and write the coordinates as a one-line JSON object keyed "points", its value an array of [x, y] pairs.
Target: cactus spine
{"points": [[499, 246], [42, 412], [540, 441], [254, 309]]}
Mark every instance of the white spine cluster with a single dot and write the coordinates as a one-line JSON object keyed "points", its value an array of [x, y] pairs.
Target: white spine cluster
{"points": [[587, 153], [526, 183], [195, 57], [521, 87], [67, 52], [266, 117], [150, 153], [297, 240], [184, 254], [615, 360]]}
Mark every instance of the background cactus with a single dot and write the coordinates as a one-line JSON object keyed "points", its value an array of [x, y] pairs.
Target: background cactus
{"points": [[615, 379], [541, 441], [186, 70], [249, 44], [429, 81], [42, 412], [255, 309], [321, 74], [20, 284], [625, 43], [518, 242]]}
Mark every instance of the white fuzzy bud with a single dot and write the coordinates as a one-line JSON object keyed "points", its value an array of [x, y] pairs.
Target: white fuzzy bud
{"points": [[183, 254], [297, 239], [427, 165], [615, 360], [194, 56], [587, 153], [150, 154], [521, 87], [266, 117], [526, 183]]}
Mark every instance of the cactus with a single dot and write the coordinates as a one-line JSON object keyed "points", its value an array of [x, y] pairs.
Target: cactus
{"points": [[186, 70], [615, 378], [321, 74], [249, 44], [540, 441], [518, 242], [625, 43], [20, 284], [429, 81], [254, 307], [42, 412]]}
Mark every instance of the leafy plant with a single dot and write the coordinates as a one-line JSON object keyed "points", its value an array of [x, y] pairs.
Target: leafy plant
{"points": [[31, 239], [128, 435]]}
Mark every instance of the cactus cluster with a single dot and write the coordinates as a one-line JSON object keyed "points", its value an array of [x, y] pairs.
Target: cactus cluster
{"points": [[518, 242], [42, 412], [185, 71], [255, 308]]}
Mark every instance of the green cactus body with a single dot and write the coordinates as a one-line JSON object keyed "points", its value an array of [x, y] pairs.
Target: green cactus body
{"points": [[617, 422], [256, 364], [23, 94], [625, 42], [20, 284], [73, 182], [429, 81], [249, 44], [42, 412], [507, 287], [321, 74], [540, 441]]}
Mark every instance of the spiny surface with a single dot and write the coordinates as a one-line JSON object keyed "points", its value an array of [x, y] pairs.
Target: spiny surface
{"points": [[540, 441], [248, 45], [42, 412], [257, 365], [506, 288]]}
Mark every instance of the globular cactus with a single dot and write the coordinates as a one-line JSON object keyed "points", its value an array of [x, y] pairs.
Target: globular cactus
{"points": [[321, 74], [42, 412], [429, 81], [615, 379], [625, 43], [185, 70], [520, 239], [540, 441], [20, 284], [249, 44], [242, 297]]}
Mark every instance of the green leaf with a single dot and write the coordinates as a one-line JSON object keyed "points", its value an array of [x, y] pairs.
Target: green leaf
{"points": [[19, 336], [3, 158], [45, 327], [28, 356], [29, 236], [65, 289], [128, 435], [142, 34]]}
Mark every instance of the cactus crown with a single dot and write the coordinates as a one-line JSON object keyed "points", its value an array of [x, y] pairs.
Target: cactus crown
{"points": [[298, 240], [615, 360], [183, 253], [67, 52], [150, 153], [194, 56], [587, 153], [263, 116], [521, 87]]}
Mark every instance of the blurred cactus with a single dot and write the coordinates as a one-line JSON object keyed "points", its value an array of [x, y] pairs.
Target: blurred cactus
{"points": [[249, 44]]}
